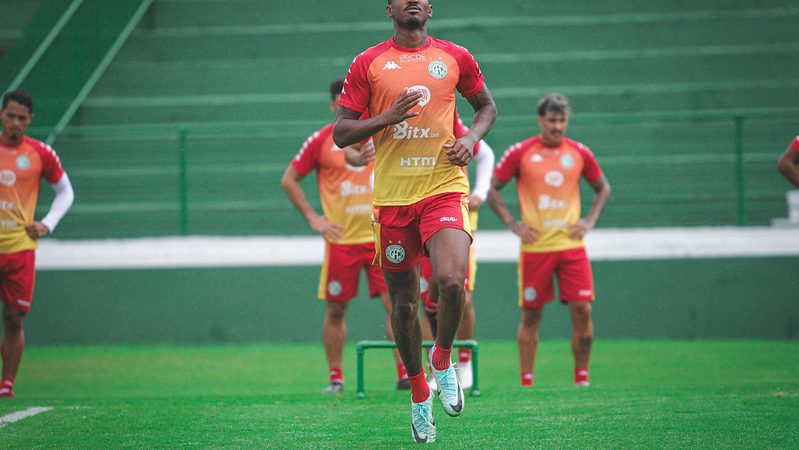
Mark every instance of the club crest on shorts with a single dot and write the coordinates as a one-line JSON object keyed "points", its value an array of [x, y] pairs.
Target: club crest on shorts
{"points": [[437, 69], [530, 294], [395, 253], [334, 288]]}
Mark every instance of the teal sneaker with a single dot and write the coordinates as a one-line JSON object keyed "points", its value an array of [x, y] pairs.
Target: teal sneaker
{"points": [[423, 426], [449, 388]]}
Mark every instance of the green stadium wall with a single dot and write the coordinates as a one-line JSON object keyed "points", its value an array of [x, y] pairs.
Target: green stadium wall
{"points": [[683, 299]]}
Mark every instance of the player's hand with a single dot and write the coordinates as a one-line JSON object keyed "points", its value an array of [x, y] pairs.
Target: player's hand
{"points": [[401, 108], [580, 229], [362, 157], [328, 230], [528, 234], [460, 151], [475, 202], [36, 230]]}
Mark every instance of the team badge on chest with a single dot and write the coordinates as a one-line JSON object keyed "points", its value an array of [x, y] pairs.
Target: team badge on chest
{"points": [[437, 69], [23, 162]]}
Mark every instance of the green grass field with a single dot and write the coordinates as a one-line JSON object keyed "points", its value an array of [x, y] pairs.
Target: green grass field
{"points": [[644, 394]]}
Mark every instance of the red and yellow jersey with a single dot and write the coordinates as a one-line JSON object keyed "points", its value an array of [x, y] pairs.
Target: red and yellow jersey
{"points": [[345, 190], [795, 144], [410, 162], [548, 184], [21, 168]]}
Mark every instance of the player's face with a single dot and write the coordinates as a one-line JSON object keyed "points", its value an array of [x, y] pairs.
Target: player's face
{"points": [[16, 118], [410, 13], [553, 127], [334, 103]]}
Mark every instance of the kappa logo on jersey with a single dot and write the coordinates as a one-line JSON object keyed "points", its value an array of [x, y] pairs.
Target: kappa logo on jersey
{"points": [[413, 57], [437, 69], [546, 202], [391, 65], [554, 178], [448, 219], [8, 177], [537, 158], [426, 95], [403, 130]]}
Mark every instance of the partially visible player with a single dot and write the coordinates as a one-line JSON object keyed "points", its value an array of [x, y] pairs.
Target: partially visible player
{"points": [[408, 85], [346, 196], [484, 159], [23, 162], [789, 161], [548, 168]]}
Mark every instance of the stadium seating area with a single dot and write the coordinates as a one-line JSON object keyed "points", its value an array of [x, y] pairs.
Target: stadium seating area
{"points": [[687, 105]]}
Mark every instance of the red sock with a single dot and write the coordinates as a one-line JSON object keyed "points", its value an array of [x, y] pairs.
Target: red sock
{"points": [[527, 379], [401, 372], [6, 386], [419, 388], [464, 355], [336, 375], [581, 375], [441, 357]]}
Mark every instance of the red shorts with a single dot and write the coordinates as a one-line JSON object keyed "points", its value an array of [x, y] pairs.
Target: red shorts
{"points": [[426, 273], [17, 275], [536, 270], [341, 270], [402, 231]]}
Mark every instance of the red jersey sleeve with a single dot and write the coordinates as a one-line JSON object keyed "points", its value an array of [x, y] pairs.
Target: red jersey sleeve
{"points": [[52, 171], [795, 144], [591, 169], [508, 165], [307, 158], [356, 92], [471, 80]]}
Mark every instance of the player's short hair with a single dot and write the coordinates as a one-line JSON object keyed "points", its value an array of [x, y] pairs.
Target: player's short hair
{"points": [[19, 96], [554, 103], [335, 87]]}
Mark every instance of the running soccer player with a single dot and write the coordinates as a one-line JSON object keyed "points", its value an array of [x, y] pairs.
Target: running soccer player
{"points": [[407, 85], [346, 196], [788, 162], [484, 159], [23, 161], [548, 168]]}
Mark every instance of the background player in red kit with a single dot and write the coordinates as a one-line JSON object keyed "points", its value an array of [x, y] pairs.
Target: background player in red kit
{"points": [[788, 162], [346, 196], [548, 168], [407, 85], [23, 162]]}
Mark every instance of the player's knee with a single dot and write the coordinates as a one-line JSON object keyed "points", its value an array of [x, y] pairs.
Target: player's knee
{"points": [[404, 311], [336, 310], [582, 310], [12, 322], [450, 286]]}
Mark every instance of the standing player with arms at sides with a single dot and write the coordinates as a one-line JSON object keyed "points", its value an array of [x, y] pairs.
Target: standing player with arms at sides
{"points": [[407, 85], [788, 162], [346, 196], [548, 168], [484, 160], [23, 161]]}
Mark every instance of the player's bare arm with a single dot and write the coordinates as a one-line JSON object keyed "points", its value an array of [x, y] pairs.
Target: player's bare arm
{"points": [[348, 129], [788, 166], [460, 151], [586, 224], [320, 224], [360, 155], [528, 234]]}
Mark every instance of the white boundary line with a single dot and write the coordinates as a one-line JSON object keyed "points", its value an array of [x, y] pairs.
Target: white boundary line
{"points": [[492, 246], [8, 419]]}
